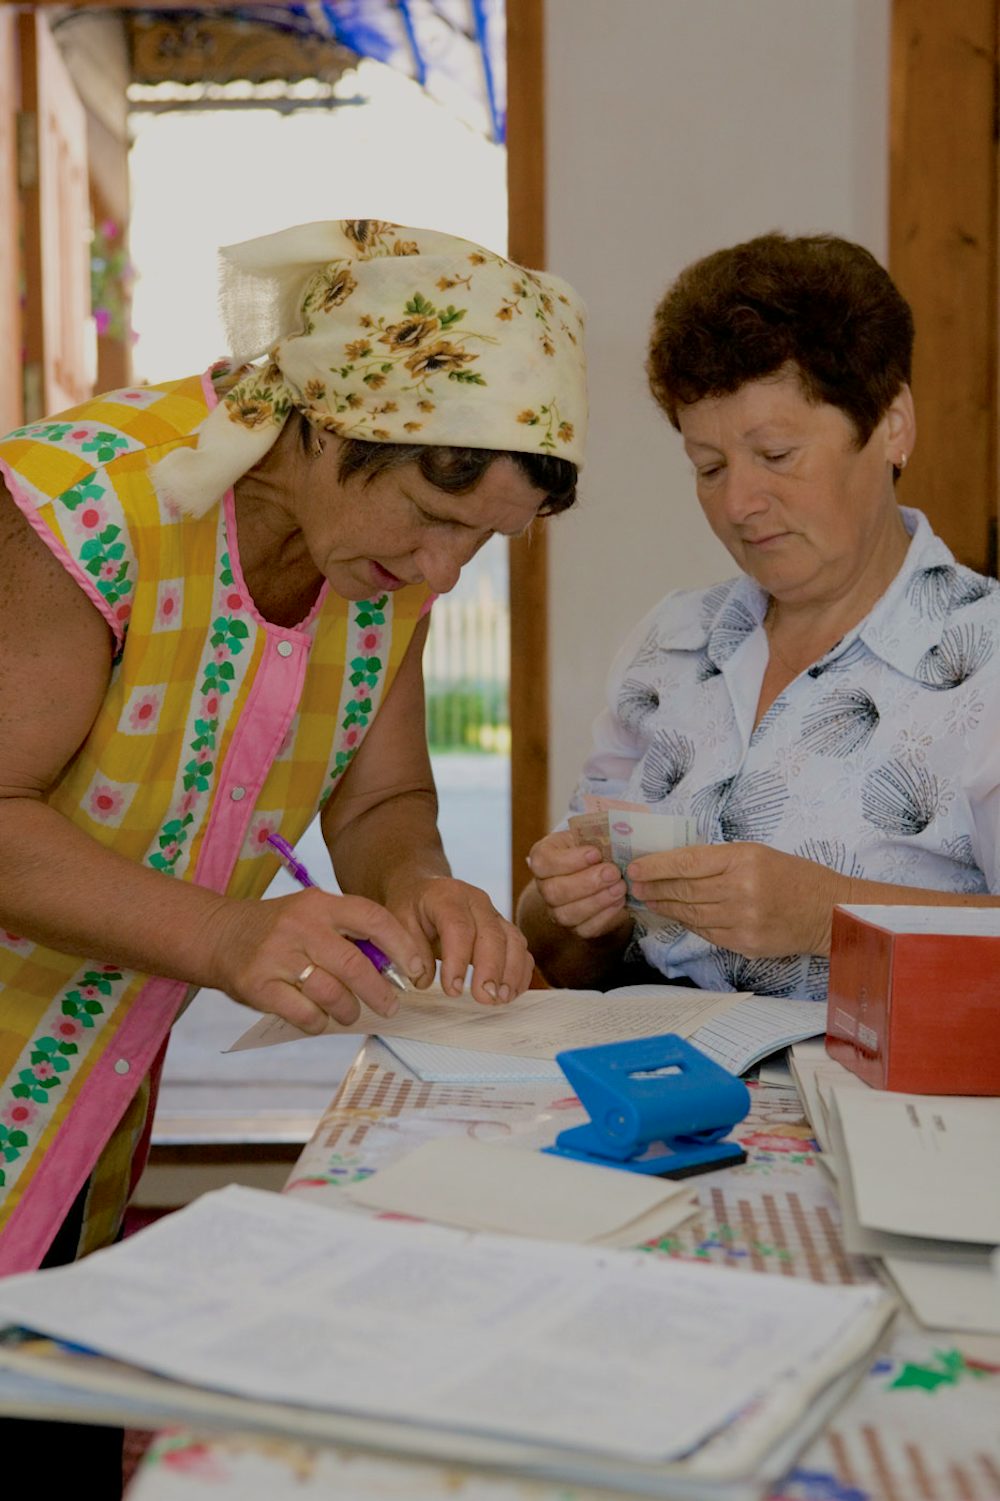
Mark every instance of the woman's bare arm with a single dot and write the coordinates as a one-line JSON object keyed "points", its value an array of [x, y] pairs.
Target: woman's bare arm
{"points": [[389, 785], [381, 830], [62, 888]]}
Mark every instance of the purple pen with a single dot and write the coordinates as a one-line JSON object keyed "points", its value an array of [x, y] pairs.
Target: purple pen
{"points": [[371, 951]]}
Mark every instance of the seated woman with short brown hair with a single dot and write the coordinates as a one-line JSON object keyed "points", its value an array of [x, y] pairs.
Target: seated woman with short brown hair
{"points": [[830, 717]]}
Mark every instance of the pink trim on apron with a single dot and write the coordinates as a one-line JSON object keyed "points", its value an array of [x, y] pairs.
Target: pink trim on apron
{"points": [[72, 567], [82, 1137]]}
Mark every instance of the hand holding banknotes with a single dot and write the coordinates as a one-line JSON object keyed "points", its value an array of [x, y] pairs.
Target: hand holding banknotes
{"points": [[581, 873], [620, 862], [745, 897], [582, 891]]}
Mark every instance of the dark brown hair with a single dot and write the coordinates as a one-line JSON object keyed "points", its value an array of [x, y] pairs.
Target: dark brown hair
{"points": [[457, 470], [817, 302]]}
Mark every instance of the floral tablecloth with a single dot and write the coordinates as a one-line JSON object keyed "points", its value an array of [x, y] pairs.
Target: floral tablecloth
{"points": [[923, 1425]]}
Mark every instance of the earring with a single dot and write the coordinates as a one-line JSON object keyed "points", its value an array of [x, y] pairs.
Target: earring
{"points": [[317, 443], [901, 461]]}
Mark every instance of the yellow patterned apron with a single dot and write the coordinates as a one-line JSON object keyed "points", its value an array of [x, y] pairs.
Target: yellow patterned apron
{"points": [[217, 729]]}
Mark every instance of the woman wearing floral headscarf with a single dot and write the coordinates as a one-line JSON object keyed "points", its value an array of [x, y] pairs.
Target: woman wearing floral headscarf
{"points": [[215, 600]]}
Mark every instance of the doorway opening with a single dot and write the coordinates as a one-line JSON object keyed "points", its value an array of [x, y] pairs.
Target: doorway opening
{"points": [[214, 164]]}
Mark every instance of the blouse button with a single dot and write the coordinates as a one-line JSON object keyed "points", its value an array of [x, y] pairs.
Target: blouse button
{"points": [[122, 1065], [285, 648]]}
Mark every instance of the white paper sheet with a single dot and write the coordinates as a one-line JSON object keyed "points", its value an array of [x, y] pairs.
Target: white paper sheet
{"points": [[924, 1165], [538, 1024], [741, 1462], [965, 922], [479, 1185], [948, 1295], [443, 1065], [599, 1351], [814, 1070], [864, 1240], [776, 1070]]}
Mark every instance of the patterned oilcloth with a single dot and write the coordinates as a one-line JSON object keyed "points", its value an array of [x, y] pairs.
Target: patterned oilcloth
{"points": [[217, 729], [881, 761], [391, 335]]}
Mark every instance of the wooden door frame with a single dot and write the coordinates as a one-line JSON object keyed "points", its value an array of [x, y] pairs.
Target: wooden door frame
{"points": [[11, 391], [54, 223], [943, 253], [528, 592]]}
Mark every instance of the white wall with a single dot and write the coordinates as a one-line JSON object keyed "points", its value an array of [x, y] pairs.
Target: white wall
{"points": [[676, 127]]}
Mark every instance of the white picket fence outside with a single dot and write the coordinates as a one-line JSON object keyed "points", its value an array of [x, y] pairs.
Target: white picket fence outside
{"points": [[467, 670]]}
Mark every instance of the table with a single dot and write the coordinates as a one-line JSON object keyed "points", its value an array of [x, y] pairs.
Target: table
{"points": [[923, 1425]]}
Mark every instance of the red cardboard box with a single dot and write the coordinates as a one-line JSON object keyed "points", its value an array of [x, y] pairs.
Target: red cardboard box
{"points": [[914, 1001]]}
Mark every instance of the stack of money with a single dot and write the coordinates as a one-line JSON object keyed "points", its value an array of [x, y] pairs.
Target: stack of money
{"points": [[623, 832]]}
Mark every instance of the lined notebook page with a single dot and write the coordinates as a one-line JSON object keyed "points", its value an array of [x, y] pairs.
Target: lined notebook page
{"points": [[750, 1030], [758, 1026]]}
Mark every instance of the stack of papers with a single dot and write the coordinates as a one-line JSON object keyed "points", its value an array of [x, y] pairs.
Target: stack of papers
{"points": [[454, 1040], [558, 1361], [816, 1075], [917, 1181]]}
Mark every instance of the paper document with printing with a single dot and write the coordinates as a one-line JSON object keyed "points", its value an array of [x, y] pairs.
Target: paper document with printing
{"points": [[563, 1359]]}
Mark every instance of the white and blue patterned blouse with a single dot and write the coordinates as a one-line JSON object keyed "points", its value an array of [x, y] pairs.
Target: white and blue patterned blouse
{"points": [[881, 761]]}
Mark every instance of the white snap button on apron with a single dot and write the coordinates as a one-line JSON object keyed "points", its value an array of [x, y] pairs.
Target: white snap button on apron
{"points": [[285, 648], [122, 1066], [237, 794]]}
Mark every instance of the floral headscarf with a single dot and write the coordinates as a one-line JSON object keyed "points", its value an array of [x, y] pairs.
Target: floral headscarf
{"points": [[392, 335]]}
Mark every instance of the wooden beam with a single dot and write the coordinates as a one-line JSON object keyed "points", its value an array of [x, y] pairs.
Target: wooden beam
{"points": [[11, 396], [95, 49], [529, 667], [213, 46], [943, 254], [55, 224]]}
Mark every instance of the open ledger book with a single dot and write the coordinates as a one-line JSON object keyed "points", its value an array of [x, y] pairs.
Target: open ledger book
{"points": [[454, 1039], [559, 1361]]}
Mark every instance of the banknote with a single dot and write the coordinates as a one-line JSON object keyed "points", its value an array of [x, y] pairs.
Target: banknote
{"points": [[639, 832], [592, 828], [593, 803]]}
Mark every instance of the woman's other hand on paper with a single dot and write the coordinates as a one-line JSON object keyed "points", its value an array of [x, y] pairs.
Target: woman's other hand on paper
{"points": [[460, 924]]}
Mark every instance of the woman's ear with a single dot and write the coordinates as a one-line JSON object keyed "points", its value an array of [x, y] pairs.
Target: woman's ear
{"points": [[900, 428], [312, 437]]}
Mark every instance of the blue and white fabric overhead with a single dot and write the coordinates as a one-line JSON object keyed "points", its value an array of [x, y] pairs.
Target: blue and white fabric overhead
{"points": [[455, 49]]}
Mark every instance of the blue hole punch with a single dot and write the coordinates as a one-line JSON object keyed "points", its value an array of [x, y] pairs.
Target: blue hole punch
{"points": [[657, 1105]]}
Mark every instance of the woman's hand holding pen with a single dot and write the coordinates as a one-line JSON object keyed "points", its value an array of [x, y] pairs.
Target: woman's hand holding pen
{"points": [[296, 957], [442, 916]]}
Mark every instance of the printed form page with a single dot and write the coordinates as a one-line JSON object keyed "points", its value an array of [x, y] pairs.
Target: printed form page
{"points": [[609, 1352]]}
